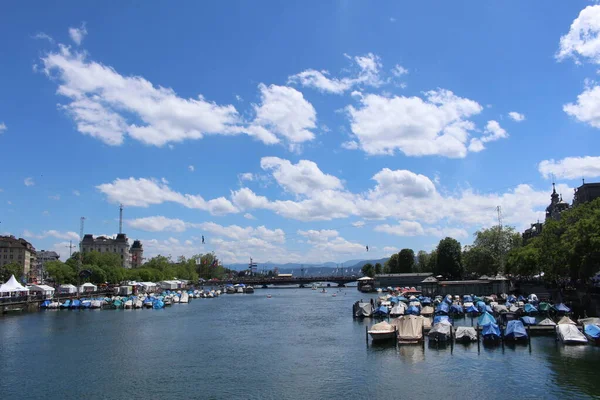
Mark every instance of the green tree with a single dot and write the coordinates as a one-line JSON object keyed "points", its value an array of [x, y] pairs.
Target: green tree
{"points": [[7, 270], [406, 260], [479, 261], [392, 264], [368, 270], [422, 264], [490, 249], [378, 269], [448, 261], [432, 262], [524, 261], [98, 275], [60, 273]]}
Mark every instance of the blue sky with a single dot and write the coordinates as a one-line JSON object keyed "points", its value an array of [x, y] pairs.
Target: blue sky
{"points": [[296, 131]]}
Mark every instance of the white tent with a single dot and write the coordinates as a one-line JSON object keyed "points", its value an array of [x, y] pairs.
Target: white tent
{"points": [[87, 287], [168, 284], [67, 288], [44, 290], [12, 287], [148, 286]]}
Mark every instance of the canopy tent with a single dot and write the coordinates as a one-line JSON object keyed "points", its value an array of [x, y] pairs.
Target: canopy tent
{"points": [[14, 287], [515, 330], [562, 308], [528, 320], [547, 322], [87, 287], [44, 290], [67, 289], [485, 319], [465, 334]]}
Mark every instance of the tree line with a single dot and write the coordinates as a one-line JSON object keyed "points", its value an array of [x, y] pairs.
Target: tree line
{"points": [[568, 248]]}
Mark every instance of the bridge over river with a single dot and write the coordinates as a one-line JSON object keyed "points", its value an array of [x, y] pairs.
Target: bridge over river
{"points": [[303, 281]]}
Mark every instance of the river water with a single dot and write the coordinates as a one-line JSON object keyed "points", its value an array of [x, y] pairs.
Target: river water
{"points": [[299, 344]]}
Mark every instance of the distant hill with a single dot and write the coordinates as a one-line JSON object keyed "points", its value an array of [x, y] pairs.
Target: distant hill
{"points": [[360, 264]]}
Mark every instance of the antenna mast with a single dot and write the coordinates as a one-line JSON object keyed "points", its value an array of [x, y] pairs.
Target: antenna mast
{"points": [[80, 253], [499, 209], [120, 218]]}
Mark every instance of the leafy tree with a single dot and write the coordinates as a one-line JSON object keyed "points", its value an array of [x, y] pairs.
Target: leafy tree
{"points": [[61, 273], [479, 261], [406, 260], [448, 261], [422, 261], [392, 264], [378, 269], [98, 274], [431, 262], [490, 249], [524, 261], [368, 270], [7, 270]]}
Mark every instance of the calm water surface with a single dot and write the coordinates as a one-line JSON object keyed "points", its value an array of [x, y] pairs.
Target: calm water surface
{"points": [[298, 344]]}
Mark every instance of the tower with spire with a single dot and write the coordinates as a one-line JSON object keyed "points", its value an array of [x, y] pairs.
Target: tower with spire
{"points": [[557, 205]]}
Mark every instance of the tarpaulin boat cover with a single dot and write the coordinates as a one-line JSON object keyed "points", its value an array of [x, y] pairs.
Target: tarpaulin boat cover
{"points": [[566, 321], [398, 309], [364, 310], [488, 309], [491, 330], [544, 307], [500, 308], [441, 330], [402, 298], [427, 310], [521, 298], [426, 322], [415, 303], [466, 332], [532, 297], [413, 310], [442, 308], [448, 299], [426, 301], [515, 329], [467, 299], [513, 308], [570, 334], [381, 310], [481, 306], [562, 308], [75, 303], [476, 299], [410, 327], [511, 299], [394, 300], [456, 309], [592, 330], [590, 320], [547, 322], [382, 326], [486, 318], [441, 318], [529, 308], [472, 309], [528, 320]]}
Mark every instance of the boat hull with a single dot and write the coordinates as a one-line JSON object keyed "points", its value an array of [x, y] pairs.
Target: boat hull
{"points": [[378, 336]]}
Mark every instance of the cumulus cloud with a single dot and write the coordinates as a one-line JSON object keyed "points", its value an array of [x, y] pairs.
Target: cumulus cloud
{"points": [[399, 70], [158, 224], [246, 176], [368, 70], [301, 178], [492, 132], [70, 235], [582, 42], [29, 181], [587, 107], [78, 34], [571, 167], [2, 127], [144, 192], [249, 216], [191, 168], [328, 240], [434, 125], [515, 116]]}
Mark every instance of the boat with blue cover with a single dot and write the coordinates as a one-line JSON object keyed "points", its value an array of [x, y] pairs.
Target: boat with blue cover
{"points": [[592, 332], [75, 304], [515, 330], [66, 304], [490, 332]]}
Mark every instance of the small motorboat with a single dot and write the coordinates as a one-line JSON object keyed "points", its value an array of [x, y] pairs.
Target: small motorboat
{"points": [[96, 304], [440, 331], [184, 298], [249, 290], [465, 334], [592, 332], [410, 329], [269, 296], [515, 331], [570, 334], [66, 304], [75, 304], [490, 333], [382, 331], [129, 304]]}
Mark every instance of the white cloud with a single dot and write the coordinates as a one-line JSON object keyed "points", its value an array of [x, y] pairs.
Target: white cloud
{"points": [[587, 108], [571, 167], [583, 39], [403, 228], [54, 197], [435, 125], [246, 176], [191, 168], [29, 181], [144, 192], [369, 67], [109, 106], [2, 127], [283, 113], [358, 224], [329, 241], [391, 249], [43, 36], [70, 235], [158, 224], [515, 116], [45, 213], [249, 216], [77, 34], [301, 178], [350, 145], [492, 132], [248, 233], [404, 183], [399, 70], [239, 98], [76, 193]]}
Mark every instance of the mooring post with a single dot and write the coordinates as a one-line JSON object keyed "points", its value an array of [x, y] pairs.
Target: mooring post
{"points": [[367, 334]]}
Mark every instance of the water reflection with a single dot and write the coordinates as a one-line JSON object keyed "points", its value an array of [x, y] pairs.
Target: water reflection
{"points": [[413, 354]]}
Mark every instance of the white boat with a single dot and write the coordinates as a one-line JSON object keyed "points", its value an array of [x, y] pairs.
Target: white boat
{"points": [[440, 331], [410, 329], [230, 290], [249, 289], [239, 289], [569, 334], [184, 298], [54, 305], [175, 299], [465, 334], [314, 286], [129, 304], [96, 304], [138, 304], [382, 331]]}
